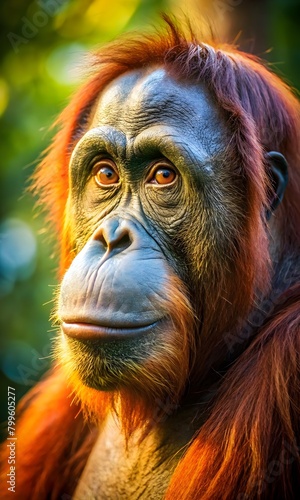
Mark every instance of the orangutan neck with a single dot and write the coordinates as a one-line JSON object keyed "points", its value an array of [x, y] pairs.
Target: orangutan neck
{"points": [[140, 470]]}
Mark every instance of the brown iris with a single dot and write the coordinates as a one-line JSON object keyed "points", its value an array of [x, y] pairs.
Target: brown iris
{"points": [[163, 175], [105, 173]]}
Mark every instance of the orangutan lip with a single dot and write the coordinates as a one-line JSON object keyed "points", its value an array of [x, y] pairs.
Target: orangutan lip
{"points": [[89, 331]]}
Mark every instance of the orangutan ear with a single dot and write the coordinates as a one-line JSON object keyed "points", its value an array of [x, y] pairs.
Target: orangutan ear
{"points": [[278, 172]]}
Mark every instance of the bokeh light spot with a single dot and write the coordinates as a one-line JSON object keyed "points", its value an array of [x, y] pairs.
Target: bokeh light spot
{"points": [[17, 253], [63, 64], [19, 363]]}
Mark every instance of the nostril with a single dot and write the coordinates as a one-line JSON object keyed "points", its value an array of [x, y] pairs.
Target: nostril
{"points": [[114, 242], [103, 241], [123, 242], [114, 235]]}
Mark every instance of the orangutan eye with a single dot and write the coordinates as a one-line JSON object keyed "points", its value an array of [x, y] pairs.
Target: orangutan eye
{"points": [[162, 174], [105, 173]]}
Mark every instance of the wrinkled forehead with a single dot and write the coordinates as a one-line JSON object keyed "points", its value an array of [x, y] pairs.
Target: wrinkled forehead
{"points": [[139, 99]]}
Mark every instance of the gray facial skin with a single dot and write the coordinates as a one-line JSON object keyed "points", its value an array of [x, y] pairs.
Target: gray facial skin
{"points": [[115, 287], [130, 236], [151, 109]]}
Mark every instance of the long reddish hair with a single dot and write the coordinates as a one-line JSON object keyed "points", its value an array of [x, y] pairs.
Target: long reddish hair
{"points": [[254, 418]]}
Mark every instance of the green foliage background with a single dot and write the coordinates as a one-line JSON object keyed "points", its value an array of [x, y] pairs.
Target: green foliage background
{"points": [[42, 41]]}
